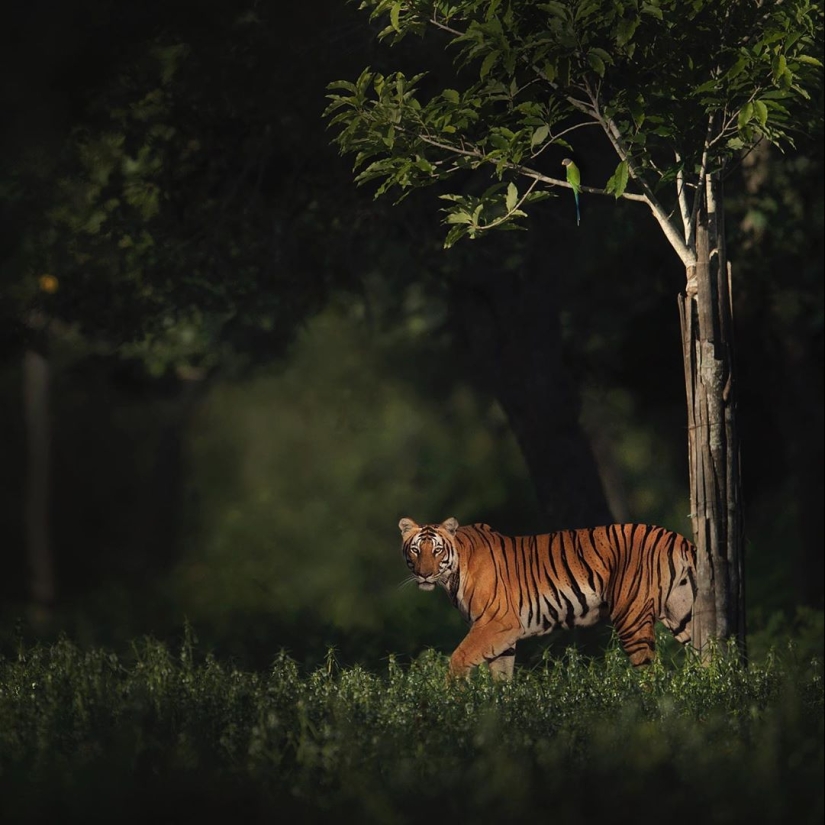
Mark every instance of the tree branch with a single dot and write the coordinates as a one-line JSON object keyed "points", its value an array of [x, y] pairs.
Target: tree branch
{"points": [[683, 249], [681, 194], [551, 139], [512, 211], [445, 27], [527, 172]]}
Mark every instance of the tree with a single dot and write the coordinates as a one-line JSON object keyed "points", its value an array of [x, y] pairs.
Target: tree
{"points": [[680, 93], [168, 225]]}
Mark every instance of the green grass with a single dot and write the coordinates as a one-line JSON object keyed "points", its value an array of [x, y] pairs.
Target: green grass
{"points": [[167, 735]]}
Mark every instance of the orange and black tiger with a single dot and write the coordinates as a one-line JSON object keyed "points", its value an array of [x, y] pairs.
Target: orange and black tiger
{"points": [[511, 588]]}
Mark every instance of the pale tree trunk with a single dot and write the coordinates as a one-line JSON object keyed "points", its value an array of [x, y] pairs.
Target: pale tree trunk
{"points": [[38, 482], [713, 442]]}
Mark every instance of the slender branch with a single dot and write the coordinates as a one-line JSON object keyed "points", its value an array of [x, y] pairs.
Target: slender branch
{"points": [[445, 27], [681, 194], [590, 190], [574, 101], [510, 212], [725, 129], [527, 172], [553, 138], [572, 128], [449, 147], [682, 249], [734, 165]]}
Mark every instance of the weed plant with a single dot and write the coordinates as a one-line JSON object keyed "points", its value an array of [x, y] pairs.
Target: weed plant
{"points": [[168, 735]]}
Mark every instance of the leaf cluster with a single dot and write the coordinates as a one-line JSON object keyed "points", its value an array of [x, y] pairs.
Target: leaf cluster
{"points": [[679, 90], [174, 221]]}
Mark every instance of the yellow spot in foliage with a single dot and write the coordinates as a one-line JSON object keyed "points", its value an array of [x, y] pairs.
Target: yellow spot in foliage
{"points": [[48, 283]]}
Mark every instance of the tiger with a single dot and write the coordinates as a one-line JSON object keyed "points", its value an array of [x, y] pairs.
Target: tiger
{"points": [[513, 587]]}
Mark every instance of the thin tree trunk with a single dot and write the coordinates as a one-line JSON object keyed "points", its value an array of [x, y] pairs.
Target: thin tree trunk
{"points": [[713, 443], [38, 445]]}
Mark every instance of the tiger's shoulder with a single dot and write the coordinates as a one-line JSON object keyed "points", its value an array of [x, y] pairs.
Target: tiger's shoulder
{"points": [[479, 527]]}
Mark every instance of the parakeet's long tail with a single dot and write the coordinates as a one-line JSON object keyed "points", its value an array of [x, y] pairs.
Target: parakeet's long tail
{"points": [[578, 214]]}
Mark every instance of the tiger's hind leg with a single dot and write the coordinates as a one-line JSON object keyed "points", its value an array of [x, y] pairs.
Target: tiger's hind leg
{"points": [[502, 666], [636, 634], [678, 612]]}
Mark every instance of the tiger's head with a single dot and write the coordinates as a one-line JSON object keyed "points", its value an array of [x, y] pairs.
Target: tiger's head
{"points": [[429, 551]]}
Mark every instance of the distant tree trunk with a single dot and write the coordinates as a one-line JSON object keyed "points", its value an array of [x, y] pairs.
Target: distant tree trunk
{"points": [[713, 442], [509, 322], [38, 481]]}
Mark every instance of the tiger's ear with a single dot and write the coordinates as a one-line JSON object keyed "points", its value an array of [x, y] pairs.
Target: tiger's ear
{"points": [[407, 525], [450, 525]]}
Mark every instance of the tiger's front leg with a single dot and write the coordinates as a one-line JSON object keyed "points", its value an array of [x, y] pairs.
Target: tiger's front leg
{"points": [[486, 642], [502, 666]]}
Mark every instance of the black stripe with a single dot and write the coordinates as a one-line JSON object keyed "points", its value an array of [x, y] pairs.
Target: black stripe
{"points": [[577, 591]]}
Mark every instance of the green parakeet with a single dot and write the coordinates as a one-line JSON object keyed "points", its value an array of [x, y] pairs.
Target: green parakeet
{"points": [[574, 178]]}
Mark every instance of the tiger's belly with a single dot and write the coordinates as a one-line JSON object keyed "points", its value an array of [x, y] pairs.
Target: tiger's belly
{"points": [[563, 607]]}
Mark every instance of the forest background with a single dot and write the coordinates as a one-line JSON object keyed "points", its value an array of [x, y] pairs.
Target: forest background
{"points": [[255, 369]]}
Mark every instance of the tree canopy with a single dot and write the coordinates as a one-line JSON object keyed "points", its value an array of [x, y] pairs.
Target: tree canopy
{"points": [[175, 220], [678, 90]]}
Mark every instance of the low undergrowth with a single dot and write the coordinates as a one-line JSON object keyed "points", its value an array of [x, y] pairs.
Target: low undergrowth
{"points": [[166, 735]]}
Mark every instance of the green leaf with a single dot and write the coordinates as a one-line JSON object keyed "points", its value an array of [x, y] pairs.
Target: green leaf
{"points": [[342, 84], [459, 217], [556, 9], [605, 56], [596, 63], [512, 197], [618, 182], [585, 9], [745, 115], [737, 67], [637, 112], [539, 135], [539, 195], [488, 63], [653, 11], [451, 95], [395, 12], [707, 86], [625, 30], [761, 112], [455, 234], [811, 61]]}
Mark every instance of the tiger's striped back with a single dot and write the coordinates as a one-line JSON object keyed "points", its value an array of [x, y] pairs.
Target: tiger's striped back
{"points": [[511, 588]]}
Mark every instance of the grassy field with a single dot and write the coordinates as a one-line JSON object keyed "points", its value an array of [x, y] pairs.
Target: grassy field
{"points": [[167, 735]]}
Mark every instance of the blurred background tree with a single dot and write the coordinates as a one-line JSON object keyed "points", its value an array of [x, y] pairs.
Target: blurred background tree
{"points": [[255, 370]]}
